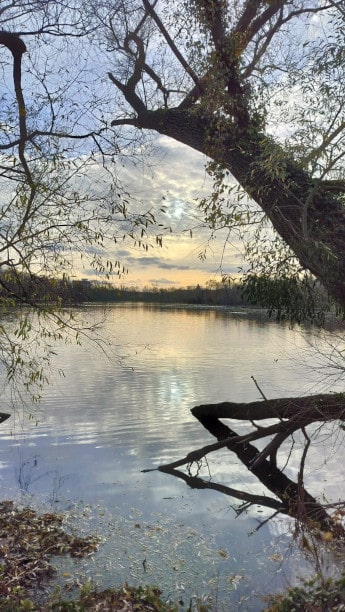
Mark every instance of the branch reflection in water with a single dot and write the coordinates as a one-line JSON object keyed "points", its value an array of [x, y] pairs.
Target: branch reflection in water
{"points": [[293, 499]]}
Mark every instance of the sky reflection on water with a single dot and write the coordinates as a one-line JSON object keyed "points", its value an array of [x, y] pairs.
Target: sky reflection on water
{"points": [[103, 423]]}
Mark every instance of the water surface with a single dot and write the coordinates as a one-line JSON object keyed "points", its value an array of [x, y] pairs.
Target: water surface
{"points": [[105, 421]]}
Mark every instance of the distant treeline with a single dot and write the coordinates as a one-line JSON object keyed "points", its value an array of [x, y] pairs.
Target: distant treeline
{"points": [[222, 295], [21, 288]]}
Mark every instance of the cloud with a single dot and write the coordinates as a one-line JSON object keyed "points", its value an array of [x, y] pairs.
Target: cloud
{"points": [[123, 253], [173, 178], [87, 272], [161, 281], [156, 262]]}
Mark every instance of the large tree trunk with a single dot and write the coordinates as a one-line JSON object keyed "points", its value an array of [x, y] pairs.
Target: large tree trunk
{"points": [[310, 220], [217, 117]]}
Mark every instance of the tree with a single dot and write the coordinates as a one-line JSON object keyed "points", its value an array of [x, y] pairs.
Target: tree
{"points": [[243, 66], [255, 85], [236, 66], [60, 198], [214, 75]]}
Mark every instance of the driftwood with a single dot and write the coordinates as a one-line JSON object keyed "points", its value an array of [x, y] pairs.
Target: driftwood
{"points": [[291, 414]]}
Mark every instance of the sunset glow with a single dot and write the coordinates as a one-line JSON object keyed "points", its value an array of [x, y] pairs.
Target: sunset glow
{"points": [[176, 179]]}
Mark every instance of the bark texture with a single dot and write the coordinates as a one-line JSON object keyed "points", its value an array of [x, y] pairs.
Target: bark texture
{"points": [[310, 221], [218, 118], [311, 408]]}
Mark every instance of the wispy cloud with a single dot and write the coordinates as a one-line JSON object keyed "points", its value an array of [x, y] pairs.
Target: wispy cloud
{"points": [[161, 281], [174, 178], [156, 262]]}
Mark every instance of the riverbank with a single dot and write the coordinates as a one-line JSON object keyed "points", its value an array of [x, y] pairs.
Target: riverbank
{"points": [[28, 544], [30, 541]]}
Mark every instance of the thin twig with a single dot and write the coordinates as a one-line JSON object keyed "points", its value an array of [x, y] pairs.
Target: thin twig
{"points": [[258, 388]]}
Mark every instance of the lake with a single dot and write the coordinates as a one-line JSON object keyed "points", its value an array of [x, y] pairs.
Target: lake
{"points": [[106, 420]]}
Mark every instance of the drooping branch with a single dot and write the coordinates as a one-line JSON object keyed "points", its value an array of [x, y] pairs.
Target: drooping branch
{"points": [[195, 482], [283, 429]]}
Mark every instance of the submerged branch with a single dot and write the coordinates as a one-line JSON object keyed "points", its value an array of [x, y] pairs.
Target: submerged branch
{"points": [[292, 414], [195, 482]]}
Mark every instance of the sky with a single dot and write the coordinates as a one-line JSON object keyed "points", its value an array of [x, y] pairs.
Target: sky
{"points": [[175, 177], [178, 175]]}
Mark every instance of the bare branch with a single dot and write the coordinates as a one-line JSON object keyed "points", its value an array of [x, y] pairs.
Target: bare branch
{"points": [[326, 141], [172, 45], [132, 98]]}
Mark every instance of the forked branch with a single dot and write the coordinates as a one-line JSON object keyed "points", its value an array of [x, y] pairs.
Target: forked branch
{"points": [[292, 414]]}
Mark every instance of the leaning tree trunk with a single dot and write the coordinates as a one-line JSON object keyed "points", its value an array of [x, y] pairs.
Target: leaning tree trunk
{"points": [[309, 219], [295, 499]]}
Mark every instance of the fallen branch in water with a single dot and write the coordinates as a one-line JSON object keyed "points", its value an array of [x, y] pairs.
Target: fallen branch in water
{"points": [[292, 414], [323, 407]]}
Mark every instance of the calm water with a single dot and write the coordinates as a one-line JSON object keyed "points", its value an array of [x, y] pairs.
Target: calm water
{"points": [[103, 422]]}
